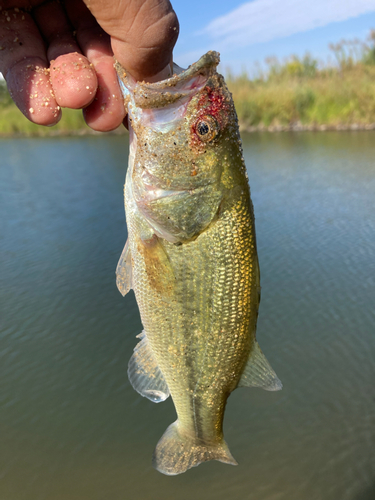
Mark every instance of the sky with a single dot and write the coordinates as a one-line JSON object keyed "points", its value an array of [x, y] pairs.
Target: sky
{"points": [[246, 33]]}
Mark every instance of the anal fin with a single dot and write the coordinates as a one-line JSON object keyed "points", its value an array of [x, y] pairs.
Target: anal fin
{"points": [[258, 372], [144, 373], [124, 271]]}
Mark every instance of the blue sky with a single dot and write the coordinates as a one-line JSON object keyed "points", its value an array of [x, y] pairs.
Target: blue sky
{"points": [[248, 32]]}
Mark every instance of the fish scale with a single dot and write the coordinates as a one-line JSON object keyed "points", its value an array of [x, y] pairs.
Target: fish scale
{"points": [[191, 259]]}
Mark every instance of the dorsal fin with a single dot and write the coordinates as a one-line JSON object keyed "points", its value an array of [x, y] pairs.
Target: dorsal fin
{"points": [[144, 373], [258, 372]]}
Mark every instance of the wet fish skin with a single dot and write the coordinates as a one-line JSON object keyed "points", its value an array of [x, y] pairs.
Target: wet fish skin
{"points": [[191, 260]]}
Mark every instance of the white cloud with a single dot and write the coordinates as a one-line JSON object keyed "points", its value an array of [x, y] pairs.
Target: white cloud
{"points": [[265, 20]]}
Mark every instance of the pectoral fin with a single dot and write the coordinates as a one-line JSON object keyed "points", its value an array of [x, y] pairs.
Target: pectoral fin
{"points": [[145, 375], [124, 271], [158, 268], [259, 373]]}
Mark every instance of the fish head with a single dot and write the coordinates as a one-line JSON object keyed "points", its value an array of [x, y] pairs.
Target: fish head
{"points": [[184, 141]]}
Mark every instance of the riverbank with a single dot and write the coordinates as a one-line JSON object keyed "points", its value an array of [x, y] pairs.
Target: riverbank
{"points": [[342, 101], [299, 127], [14, 124], [328, 99], [294, 127]]}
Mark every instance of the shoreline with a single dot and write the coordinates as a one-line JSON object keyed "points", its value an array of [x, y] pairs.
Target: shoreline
{"points": [[293, 127], [62, 133], [299, 127]]}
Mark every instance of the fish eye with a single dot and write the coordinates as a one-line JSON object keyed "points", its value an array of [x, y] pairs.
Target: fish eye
{"points": [[203, 128], [207, 128]]}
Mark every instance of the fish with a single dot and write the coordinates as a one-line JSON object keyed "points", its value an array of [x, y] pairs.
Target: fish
{"points": [[190, 258]]}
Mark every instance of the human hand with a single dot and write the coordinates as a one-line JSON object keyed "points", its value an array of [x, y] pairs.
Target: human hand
{"points": [[56, 54]]}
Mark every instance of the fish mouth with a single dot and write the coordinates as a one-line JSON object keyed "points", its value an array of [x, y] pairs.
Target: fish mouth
{"points": [[183, 84]]}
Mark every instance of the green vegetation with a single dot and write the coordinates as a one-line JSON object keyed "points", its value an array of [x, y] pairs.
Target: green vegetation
{"points": [[298, 93], [12, 121], [302, 93]]}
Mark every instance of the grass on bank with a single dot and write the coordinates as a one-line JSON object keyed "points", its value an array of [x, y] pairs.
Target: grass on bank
{"points": [[301, 90], [12, 121], [332, 98], [297, 91]]}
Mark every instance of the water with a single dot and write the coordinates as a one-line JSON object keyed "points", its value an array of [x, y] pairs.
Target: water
{"points": [[72, 428]]}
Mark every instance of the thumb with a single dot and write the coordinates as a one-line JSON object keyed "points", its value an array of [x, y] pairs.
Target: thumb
{"points": [[143, 34]]}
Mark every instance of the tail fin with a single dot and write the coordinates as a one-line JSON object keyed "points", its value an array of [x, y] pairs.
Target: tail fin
{"points": [[176, 453]]}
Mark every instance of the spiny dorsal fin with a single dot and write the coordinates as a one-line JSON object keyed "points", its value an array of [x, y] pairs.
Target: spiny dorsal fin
{"points": [[145, 375], [124, 271], [258, 372]]}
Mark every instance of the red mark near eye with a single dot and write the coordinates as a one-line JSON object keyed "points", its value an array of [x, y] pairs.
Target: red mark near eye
{"points": [[212, 102]]}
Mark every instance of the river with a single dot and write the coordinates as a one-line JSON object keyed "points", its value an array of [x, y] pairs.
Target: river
{"points": [[71, 426]]}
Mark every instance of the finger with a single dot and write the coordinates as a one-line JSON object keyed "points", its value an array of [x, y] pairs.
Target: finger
{"points": [[56, 29], [72, 76], [23, 63], [74, 81], [143, 33], [107, 110]]}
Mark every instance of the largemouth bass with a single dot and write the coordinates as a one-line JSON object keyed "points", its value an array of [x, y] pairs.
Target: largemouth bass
{"points": [[190, 258]]}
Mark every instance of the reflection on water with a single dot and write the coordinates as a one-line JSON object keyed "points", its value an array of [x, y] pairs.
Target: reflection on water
{"points": [[72, 428]]}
